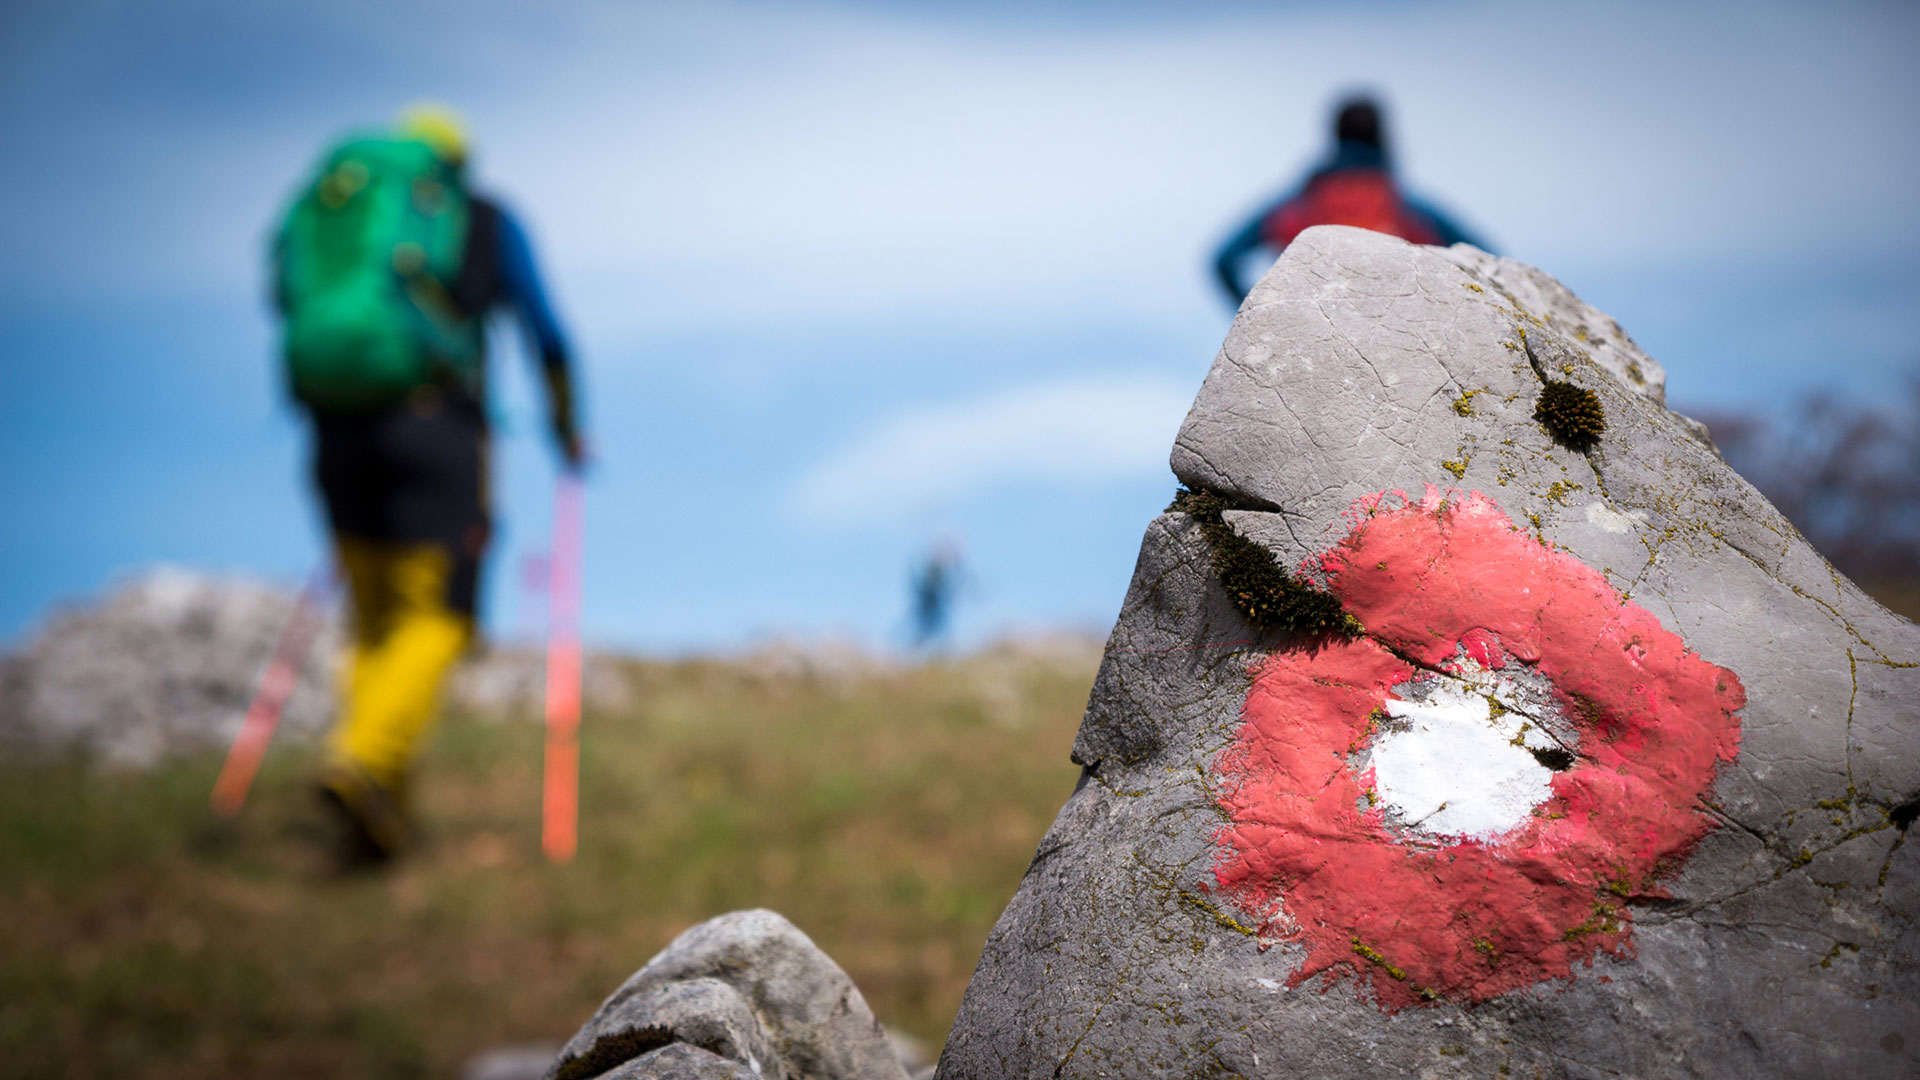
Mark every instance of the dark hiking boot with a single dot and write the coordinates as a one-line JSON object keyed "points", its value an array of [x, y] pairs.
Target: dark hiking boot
{"points": [[369, 825]]}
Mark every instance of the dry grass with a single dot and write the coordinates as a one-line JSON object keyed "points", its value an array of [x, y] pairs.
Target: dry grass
{"points": [[890, 815]]}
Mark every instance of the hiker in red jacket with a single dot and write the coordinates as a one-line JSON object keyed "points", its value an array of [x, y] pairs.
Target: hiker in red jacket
{"points": [[1355, 186]]}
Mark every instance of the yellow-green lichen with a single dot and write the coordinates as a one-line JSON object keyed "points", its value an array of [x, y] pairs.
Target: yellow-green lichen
{"points": [[1604, 920], [1222, 918], [1368, 952], [1834, 953], [1621, 885]]}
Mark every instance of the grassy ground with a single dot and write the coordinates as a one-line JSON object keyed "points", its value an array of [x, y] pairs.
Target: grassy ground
{"points": [[890, 816]]}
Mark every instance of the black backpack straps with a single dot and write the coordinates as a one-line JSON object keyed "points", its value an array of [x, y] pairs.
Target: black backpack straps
{"points": [[479, 284]]}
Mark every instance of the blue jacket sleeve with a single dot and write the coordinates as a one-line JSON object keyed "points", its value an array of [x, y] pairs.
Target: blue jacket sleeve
{"points": [[521, 283], [1227, 262], [1231, 259], [1449, 229]]}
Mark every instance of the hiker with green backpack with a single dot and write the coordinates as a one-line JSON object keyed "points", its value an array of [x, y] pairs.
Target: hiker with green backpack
{"points": [[386, 266]]}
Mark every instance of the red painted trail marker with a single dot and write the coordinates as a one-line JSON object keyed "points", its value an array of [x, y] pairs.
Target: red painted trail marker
{"points": [[1463, 802], [270, 699], [560, 801]]}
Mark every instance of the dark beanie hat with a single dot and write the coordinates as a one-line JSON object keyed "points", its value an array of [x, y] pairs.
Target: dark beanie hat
{"points": [[1359, 121]]}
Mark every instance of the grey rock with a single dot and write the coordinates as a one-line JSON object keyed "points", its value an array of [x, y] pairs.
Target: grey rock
{"points": [[166, 663], [679, 1061], [509, 681], [1785, 945], [519, 1061], [1592, 330], [747, 988], [913, 1055], [700, 1012]]}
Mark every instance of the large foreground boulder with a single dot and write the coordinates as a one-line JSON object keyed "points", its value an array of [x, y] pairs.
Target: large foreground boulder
{"points": [[1468, 716], [745, 995]]}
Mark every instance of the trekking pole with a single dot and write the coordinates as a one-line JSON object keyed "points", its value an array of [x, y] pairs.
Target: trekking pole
{"points": [[276, 685], [560, 803]]}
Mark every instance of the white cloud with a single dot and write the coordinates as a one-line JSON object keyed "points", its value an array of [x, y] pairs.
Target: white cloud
{"points": [[823, 164], [687, 166], [1088, 430]]}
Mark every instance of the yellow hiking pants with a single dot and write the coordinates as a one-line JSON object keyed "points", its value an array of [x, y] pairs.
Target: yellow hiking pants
{"points": [[404, 641]]}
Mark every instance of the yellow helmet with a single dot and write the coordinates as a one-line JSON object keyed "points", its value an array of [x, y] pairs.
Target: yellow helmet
{"points": [[439, 127]]}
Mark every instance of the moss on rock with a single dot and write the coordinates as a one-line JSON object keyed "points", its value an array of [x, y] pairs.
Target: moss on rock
{"points": [[1260, 588], [1571, 414]]}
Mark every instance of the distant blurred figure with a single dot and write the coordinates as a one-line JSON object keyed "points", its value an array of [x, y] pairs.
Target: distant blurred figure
{"points": [[385, 267], [1354, 186], [935, 581]]}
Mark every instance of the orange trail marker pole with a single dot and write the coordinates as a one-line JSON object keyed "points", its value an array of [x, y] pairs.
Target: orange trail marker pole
{"points": [[560, 802], [269, 700]]}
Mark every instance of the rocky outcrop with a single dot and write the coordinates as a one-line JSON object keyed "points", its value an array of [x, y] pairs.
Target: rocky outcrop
{"points": [[744, 995], [1467, 716], [167, 662]]}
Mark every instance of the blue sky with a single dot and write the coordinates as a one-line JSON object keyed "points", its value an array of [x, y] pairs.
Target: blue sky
{"points": [[846, 277]]}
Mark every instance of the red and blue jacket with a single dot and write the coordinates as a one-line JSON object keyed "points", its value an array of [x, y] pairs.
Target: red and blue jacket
{"points": [[1355, 187]]}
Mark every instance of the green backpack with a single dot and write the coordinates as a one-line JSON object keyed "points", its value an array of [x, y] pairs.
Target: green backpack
{"points": [[365, 258]]}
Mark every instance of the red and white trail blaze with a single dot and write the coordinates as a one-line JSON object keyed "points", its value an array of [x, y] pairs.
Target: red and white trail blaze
{"points": [[1473, 821]]}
